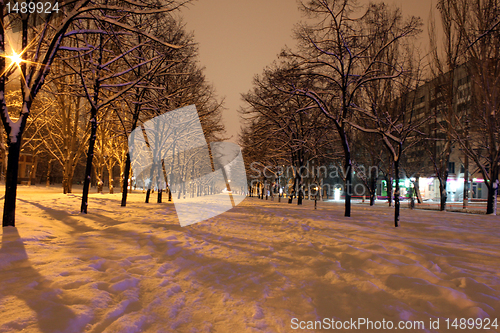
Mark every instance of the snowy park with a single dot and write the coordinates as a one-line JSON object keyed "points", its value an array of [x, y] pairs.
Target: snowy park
{"points": [[251, 269], [183, 166]]}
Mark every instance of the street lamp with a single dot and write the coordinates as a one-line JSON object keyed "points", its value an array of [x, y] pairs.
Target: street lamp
{"points": [[15, 58], [316, 196]]}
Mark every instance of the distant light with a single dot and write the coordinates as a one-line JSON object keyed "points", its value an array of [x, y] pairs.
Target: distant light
{"points": [[336, 194], [426, 181], [453, 185]]}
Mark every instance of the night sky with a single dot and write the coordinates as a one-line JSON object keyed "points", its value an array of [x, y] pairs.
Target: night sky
{"points": [[238, 38]]}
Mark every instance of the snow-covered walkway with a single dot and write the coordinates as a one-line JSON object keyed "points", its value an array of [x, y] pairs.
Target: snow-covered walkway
{"points": [[253, 268]]}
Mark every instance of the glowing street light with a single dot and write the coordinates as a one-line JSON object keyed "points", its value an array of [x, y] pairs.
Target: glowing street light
{"points": [[336, 194], [16, 59], [316, 188]]}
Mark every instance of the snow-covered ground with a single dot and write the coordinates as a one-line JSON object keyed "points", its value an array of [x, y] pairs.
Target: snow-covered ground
{"points": [[251, 269]]}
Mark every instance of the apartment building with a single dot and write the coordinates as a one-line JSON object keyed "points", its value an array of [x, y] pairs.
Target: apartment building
{"points": [[429, 104]]}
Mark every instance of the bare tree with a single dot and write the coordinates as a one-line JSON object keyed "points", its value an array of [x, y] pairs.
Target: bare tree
{"points": [[66, 129], [178, 82], [289, 128], [388, 106], [40, 44], [340, 53], [105, 75], [143, 101], [368, 160], [445, 62], [391, 112], [479, 135]]}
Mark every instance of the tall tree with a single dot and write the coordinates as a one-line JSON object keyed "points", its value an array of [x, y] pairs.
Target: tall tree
{"points": [[341, 53], [104, 72], [392, 116], [445, 61], [178, 82], [40, 42], [66, 130], [481, 141], [289, 128]]}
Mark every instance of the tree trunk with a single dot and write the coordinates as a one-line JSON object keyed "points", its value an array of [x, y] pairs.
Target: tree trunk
{"points": [[4, 164], [179, 190], [9, 208], [122, 175], [373, 187], [491, 206], [67, 176], [90, 156], [110, 179], [33, 170], [443, 193], [264, 189], [294, 187], [100, 183], [396, 194], [126, 175], [466, 182], [416, 186], [65, 184], [348, 185], [372, 198], [321, 190], [93, 131], [300, 192], [160, 191], [47, 183], [389, 190]]}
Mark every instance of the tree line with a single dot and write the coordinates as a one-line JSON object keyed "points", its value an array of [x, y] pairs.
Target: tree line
{"points": [[87, 76], [352, 94]]}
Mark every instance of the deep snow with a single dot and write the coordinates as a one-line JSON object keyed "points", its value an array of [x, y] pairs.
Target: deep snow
{"points": [[253, 268]]}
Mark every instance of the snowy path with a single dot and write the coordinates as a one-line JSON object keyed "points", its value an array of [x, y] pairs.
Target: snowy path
{"points": [[253, 268]]}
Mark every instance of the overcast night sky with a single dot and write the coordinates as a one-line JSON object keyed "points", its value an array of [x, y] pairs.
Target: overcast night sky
{"points": [[238, 38]]}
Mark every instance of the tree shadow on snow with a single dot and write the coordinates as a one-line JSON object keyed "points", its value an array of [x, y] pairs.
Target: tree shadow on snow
{"points": [[69, 219], [21, 280]]}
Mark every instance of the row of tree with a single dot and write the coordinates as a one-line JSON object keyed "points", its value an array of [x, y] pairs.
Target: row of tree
{"points": [[352, 92], [88, 77]]}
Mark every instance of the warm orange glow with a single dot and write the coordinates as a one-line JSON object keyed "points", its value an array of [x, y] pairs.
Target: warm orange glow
{"points": [[16, 59]]}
